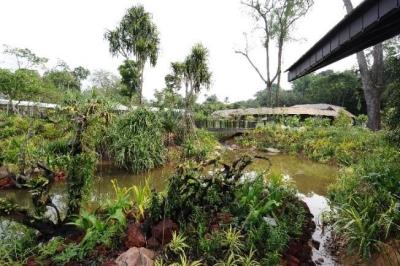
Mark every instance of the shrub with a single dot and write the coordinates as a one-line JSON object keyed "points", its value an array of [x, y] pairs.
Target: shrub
{"points": [[365, 201], [136, 141], [199, 145], [226, 217], [343, 120]]}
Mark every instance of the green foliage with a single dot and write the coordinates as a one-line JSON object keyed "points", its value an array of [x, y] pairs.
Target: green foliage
{"points": [[80, 177], [130, 74], [343, 120], [26, 84], [136, 35], [361, 120], [318, 141], [393, 109], [337, 88], [199, 145], [17, 243], [365, 201], [226, 218], [136, 141], [195, 74], [142, 199], [65, 79], [178, 243], [103, 227], [365, 206]]}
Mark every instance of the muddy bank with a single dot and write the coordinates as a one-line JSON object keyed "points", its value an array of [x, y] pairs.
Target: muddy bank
{"points": [[299, 251]]}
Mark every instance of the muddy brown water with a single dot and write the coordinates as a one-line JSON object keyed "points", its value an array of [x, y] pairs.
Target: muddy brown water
{"points": [[312, 180]]}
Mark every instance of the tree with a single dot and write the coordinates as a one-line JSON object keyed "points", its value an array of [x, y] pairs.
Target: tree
{"points": [[63, 78], [23, 84], [104, 80], [24, 57], [276, 18], [80, 73], [372, 76], [136, 36], [130, 74], [195, 75], [392, 69]]}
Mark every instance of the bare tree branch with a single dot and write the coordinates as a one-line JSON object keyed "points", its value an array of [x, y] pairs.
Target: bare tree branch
{"points": [[252, 64]]}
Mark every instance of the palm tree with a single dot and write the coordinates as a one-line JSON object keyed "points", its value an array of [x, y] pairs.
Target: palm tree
{"points": [[194, 73], [137, 38]]}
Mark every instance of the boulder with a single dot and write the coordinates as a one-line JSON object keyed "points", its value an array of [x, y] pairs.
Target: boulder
{"points": [[272, 150], [136, 257], [163, 231], [6, 178], [4, 172], [109, 263], [135, 236]]}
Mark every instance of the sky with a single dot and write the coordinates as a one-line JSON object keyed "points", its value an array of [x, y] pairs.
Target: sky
{"points": [[73, 30]]}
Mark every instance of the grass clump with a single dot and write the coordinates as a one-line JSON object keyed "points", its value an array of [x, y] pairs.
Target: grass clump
{"points": [[199, 145], [136, 141]]}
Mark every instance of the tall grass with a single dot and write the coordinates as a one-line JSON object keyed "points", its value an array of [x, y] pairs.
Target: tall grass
{"points": [[136, 141]]}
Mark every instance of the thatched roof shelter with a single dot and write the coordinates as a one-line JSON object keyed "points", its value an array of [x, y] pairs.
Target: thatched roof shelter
{"points": [[317, 110]]}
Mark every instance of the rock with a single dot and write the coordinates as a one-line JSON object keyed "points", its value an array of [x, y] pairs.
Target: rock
{"points": [[293, 261], [153, 243], [271, 221], [135, 236], [4, 172], [6, 178], [136, 257], [32, 262], [163, 231], [109, 263], [6, 182], [60, 176], [272, 150], [319, 261], [148, 253], [316, 244]]}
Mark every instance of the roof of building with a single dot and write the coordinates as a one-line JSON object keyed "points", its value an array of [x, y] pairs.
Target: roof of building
{"points": [[323, 110]]}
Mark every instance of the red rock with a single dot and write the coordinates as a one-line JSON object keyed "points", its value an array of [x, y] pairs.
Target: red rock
{"points": [[32, 262], [293, 261], [135, 236], [153, 243], [60, 176], [163, 231], [225, 217], [136, 257], [109, 263], [6, 180]]}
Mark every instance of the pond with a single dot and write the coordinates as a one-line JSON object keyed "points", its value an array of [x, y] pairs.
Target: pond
{"points": [[312, 180]]}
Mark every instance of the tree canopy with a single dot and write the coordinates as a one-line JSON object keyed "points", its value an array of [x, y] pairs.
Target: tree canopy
{"points": [[136, 37]]}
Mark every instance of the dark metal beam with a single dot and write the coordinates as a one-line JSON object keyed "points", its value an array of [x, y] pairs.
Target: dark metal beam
{"points": [[371, 22]]}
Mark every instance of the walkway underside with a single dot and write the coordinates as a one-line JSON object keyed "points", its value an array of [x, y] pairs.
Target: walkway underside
{"points": [[370, 23]]}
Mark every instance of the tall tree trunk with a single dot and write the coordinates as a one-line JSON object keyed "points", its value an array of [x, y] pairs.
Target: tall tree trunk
{"points": [[140, 92], [372, 80], [279, 70]]}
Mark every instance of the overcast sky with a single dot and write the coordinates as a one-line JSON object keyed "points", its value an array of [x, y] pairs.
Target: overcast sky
{"points": [[72, 30]]}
